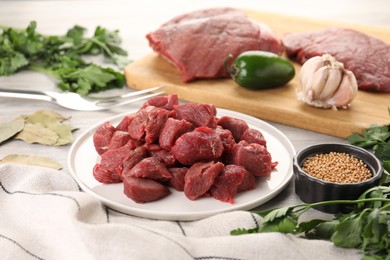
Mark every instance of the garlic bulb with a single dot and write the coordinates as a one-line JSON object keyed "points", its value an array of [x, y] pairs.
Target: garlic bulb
{"points": [[325, 83]]}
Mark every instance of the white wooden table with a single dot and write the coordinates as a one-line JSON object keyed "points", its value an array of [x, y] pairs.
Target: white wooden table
{"points": [[134, 19]]}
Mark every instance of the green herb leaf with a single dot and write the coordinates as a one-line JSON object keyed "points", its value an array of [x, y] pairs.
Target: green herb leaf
{"points": [[90, 79], [318, 228], [62, 57], [348, 232]]}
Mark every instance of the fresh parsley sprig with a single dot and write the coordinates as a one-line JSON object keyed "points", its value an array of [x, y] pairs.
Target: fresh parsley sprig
{"points": [[63, 57]]}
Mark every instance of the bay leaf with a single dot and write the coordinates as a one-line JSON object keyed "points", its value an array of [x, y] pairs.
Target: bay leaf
{"points": [[46, 127], [9, 129], [44, 117], [64, 133], [37, 133], [31, 160]]}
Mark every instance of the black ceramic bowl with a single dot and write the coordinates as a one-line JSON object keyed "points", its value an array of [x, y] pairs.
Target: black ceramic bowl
{"points": [[311, 189]]}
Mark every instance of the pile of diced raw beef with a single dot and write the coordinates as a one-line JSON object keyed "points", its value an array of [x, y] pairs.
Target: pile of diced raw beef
{"points": [[182, 146]]}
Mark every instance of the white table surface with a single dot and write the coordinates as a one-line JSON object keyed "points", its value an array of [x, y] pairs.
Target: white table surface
{"points": [[134, 19]]}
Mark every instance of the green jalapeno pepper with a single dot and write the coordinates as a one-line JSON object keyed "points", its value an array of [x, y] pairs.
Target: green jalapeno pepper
{"points": [[260, 69]]}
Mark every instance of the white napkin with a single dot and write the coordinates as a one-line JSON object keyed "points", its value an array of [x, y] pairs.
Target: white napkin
{"points": [[44, 215]]}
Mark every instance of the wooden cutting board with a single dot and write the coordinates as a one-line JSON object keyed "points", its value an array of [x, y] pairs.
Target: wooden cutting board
{"points": [[279, 104]]}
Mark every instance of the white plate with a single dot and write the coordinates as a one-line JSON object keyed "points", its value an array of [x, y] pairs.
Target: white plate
{"points": [[83, 157]]}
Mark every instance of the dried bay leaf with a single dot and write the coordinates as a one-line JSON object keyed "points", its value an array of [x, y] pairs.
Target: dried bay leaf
{"points": [[37, 133], [63, 132], [31, 160], [9, 129], [44, 117], [46, 127]]}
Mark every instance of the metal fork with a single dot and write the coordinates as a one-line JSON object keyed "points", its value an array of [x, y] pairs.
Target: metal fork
{"points": [[77, 102]]}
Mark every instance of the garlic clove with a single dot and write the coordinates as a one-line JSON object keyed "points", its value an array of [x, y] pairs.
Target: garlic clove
{"points": [[346, 92], [332, 83], [308, 69], [318, 82]]}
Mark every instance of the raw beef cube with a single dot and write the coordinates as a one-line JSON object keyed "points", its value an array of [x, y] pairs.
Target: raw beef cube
{"points": [[200, 177], [197, 43], [164, 156], [102, 137], [253, 136], [124, 123], [119, 139], [172, 130], [202, 144], [105, 175], [226, 138], [254, 157], [235, 125], [197, 114], [226, 184], [111, 164], [178, 177], [150, 168], [148, 123], [248, 183], [144, 190], [132, 158], [166, 102]]}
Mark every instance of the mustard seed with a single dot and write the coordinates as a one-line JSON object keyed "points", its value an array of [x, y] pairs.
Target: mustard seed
{"points": [[337, 167]]}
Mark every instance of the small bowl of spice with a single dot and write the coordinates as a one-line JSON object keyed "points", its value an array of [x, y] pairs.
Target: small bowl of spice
{"points": [[334, 171]]}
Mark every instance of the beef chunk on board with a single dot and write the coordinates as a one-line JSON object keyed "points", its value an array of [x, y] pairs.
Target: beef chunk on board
{"points": [[200, 177], [144, 190], [197, 43], [202, 144]]}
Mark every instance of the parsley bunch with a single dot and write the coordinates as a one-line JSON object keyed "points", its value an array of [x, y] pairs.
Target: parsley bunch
{"points": [[62, 57], [376, 138], [365, 227]]}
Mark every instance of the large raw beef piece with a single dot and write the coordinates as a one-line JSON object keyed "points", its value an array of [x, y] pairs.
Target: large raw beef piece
{"points": [[197, 43], [367, 57]]}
